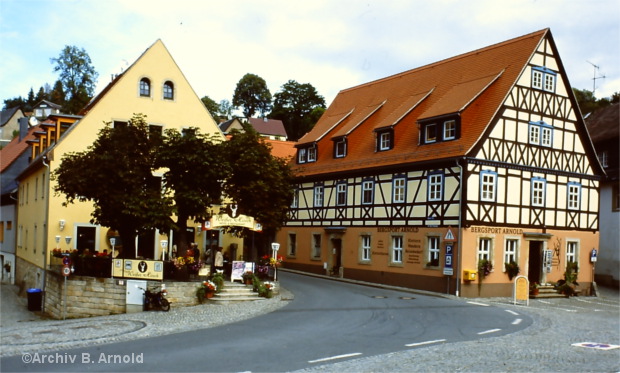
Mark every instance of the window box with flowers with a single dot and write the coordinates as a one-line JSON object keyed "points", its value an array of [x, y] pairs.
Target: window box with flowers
{"points": [[512, 269], [484, 268]]}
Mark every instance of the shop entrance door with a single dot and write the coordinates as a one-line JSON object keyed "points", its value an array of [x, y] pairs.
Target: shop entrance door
{"points": [[336, 256], [535, 262]]}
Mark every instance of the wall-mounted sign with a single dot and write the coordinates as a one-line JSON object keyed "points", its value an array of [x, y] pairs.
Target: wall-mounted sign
{"points": [[138, 268]]}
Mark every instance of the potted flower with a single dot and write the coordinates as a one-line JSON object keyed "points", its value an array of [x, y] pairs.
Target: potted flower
{"points": [[205, 290], [512, 269], [247, 277], [218, 280], [534, 288]]}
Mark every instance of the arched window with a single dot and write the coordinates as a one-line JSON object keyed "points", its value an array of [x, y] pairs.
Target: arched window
{"points": [[145, 87], [168, 90]]}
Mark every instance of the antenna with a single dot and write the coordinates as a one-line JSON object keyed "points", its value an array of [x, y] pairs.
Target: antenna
{"points": [[596, 67]]}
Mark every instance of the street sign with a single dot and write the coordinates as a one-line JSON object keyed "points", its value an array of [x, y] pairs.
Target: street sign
{"points": [[447, 269], [449, 235]]}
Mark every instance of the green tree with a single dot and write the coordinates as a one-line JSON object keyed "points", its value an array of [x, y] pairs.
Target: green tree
{"points": [[195, 168], [299, 107], [15, 102], [212, 107], [589, 104], [57, 94], [32, 100], [253, 95], [226, 109], [115, 173], [78, 77], [260, 184]]}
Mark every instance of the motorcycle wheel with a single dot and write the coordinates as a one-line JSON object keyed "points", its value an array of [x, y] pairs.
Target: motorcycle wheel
{"points": [[165, 305]]}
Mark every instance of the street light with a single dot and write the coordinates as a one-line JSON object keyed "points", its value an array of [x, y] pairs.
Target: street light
{"points": [[113, 243], [275, 247]]}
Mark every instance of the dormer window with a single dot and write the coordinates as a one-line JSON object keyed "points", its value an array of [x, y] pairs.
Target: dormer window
{"points": [[145, 87], [168, 90], [385, 140], [340, 148], [540, 133], [543, 78], [439, 130], [307, 154]]}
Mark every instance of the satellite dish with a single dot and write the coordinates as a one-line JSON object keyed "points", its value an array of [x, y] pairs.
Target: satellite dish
{"points": [[33, 121]]}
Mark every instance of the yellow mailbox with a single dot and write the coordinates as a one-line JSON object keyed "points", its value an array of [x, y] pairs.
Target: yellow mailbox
{"points": [[469, 275]]}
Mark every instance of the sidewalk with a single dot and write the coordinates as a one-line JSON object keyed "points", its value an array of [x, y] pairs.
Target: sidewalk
{"points": [[23, 331]]}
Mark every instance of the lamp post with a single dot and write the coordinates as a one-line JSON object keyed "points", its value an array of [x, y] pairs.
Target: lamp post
{"points": [[57, 241], [275, 247], [164, 245], [112, 243]]}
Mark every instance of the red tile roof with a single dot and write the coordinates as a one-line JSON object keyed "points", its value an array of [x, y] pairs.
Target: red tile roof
{"points": [[15, 148], [268, 127], [473, 85]]}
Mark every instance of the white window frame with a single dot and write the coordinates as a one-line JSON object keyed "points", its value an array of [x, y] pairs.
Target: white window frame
{"points": [[292, 244], [365, 247], [295, 201], [511, 251], [534, 134], [484, 249], [168, 90], [301, 155], [543, 78], [435, 186], [488, 186], [341, 148], [540, 133], [312, 154], [549, 83], [538, 191], [604, 158], [449, 130], [341, 194], [433, 248], [397, 249], [318, 196], [537, 79], [384, 141], [144, 87], [573, 196], [399, 190], [368, 187], [316, 245], [572, 251], [428, 136], [546, 136]]}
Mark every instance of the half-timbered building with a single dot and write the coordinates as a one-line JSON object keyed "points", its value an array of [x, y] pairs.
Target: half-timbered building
{"points": [[418, 178]]}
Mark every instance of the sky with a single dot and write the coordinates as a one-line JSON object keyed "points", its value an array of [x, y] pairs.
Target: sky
{"points": [[331, 44]]}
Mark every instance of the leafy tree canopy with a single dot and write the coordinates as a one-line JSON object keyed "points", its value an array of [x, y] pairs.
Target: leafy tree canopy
{"points": [[78, 77], [211, 106], [115, 174], [260, 184], [299, 107], [589, 104], [253, 95]]}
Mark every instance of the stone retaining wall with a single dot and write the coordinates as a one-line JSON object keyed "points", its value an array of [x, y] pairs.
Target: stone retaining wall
{"points": [[96, 296]]}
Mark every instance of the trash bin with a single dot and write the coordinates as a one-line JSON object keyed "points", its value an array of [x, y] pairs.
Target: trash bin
{"points": [[35, 297]]}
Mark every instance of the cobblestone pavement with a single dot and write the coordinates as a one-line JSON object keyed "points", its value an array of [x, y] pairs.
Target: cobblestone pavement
{"points": [[23, 331], [546, 346]]}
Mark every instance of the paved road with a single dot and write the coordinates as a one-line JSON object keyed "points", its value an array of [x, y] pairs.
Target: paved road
{"points": [[544, 346], [329, 320]]}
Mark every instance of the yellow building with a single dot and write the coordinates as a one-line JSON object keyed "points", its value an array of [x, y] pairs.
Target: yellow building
{"points": [[154, 86]]}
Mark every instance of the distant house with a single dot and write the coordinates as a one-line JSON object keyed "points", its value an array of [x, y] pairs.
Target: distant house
{"points": [[448, 176], [270, 128], [14, 158], [604, 127], [45, 108], [9, 124]]}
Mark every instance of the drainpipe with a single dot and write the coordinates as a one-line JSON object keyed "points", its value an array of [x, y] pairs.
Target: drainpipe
{"points": [[460, 240], [46, 231]]}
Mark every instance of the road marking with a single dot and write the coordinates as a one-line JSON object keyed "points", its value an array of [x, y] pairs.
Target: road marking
{"points": [[517, 322], [512, 312], [478, 304], [425, 343], [599, 346], [489, 331], [334, 357]]}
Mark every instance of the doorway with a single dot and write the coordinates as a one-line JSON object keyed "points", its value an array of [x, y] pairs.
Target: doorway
{"points": [[336, 256], [86, 239], [535, 262]]}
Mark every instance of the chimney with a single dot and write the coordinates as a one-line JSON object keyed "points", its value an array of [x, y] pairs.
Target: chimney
{"points": [[23, 128]]}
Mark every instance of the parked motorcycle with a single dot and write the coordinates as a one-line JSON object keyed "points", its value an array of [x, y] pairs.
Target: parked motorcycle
{"points": [[156, 300]]}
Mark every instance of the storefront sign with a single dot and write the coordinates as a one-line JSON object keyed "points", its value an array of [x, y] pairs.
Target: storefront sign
{"points": [[137, 268]]}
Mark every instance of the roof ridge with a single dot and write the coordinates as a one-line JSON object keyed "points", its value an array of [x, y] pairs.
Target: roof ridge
{"points": [[450, 59]]}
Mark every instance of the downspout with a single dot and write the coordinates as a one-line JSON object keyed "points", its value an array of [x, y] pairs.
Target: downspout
{"points": [[459, 244], [47, 207]]}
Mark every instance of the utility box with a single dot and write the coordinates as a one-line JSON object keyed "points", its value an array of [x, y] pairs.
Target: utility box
{"points": [[469, 275]]}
